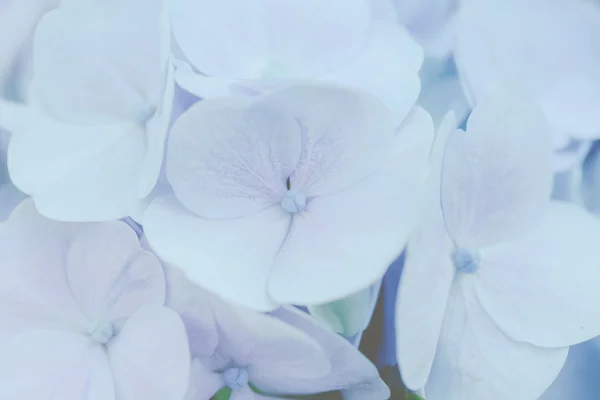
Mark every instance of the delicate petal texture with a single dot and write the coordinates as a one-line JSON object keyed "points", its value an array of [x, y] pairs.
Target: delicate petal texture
{"points": [[227, 257], [87, 89], [475, 360], [34, 288], [110, 277], [351, 371], [279, 357], [300, 38], [346, 136], [54, 365], [77, 173], [388, 68], [549, 54], [497, 175], [426, 277], [425, 284], [150, 357], [227, 158], [543, 289], [324, 243], [194, 306]]}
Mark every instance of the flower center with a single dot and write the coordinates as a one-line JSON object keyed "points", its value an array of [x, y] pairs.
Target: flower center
{"points": [[466, 260], [145, 112], [236, 378], [293, 201], [102, 332]]}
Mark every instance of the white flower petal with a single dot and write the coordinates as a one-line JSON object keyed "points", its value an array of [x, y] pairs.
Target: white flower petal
{"points": [[337, 235], [299, 39], [34, 287], [230, 257], [150, 357], [73, 78], [497, 175], [422, 296], [543, 288], [229, 158], [346, 135], [54, 365], [475, 360], [548, 55], [109, 276], [387, 67], [78, 173]]}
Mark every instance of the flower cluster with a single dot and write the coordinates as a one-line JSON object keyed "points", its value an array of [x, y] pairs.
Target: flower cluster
{"points": [[266, 199]]}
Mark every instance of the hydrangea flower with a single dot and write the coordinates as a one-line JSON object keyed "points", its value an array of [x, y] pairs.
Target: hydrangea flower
{"points": [[91, 146], [336, 41], [82, 314], [286, 353], [302, 196], [499, 281], [544, 50]]}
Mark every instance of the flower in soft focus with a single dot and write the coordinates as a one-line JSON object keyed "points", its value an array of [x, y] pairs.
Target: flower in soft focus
{"points": [[303, 196], [430, 22], [544, 50], [335, 41], [18, 20], [82, 314], [281, 354], [90, 145], [499, 281], [578, 379]]}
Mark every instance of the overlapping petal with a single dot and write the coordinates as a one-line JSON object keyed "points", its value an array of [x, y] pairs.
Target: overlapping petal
{"points": [[49, 364], [331, 238], [150, 357], [299, 39], [109, 276], [228, 158], [231, 257], [475, 360], [542, 289], [497, 175]]}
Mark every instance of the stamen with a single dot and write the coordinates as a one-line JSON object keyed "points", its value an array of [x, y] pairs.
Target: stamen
{"points": [[102, 332], [293, 201], [236, 378], [145, 112], [466, 260]]}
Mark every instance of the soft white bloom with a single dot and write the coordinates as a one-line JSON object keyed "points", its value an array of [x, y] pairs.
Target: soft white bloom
{"points": [[82, 315], [546, 50], [499, 281], [335, 41], [90, 147], [303, 196], [282, 353]]}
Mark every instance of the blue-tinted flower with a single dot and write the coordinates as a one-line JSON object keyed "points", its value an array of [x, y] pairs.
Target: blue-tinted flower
{"points": [[499, 281], [303, 196], [82, 314], [91, 145]]}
